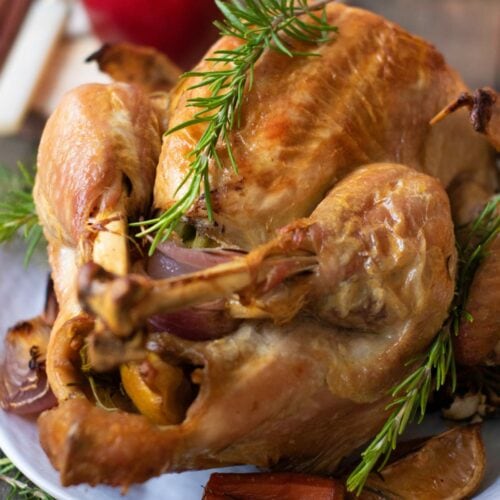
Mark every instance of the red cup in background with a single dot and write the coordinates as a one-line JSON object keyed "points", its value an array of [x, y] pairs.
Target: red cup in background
{"points": [[183, 29]]}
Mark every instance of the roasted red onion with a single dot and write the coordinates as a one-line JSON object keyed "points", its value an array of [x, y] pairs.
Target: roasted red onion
{"points": [[24, 388], [206, 321], [195, 323], [171, 260]]}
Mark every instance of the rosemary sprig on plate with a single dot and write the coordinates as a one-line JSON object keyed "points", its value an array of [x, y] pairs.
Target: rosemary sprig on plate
{"points": [[410, 397], [260, 25], [20, 486], [17, 209]]}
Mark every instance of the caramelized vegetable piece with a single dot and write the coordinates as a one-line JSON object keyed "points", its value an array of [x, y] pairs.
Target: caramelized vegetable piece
{"points": [[143, 66], [24, 388], [158, 389], [272, 487], [449, 466]]}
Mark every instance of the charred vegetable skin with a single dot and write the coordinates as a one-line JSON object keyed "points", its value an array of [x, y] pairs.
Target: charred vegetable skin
{"points": [[273, 486], [24, 387]]}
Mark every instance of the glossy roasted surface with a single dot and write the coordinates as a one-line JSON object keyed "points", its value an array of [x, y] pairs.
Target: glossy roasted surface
{"points": [[333, 155], [307, 122]]}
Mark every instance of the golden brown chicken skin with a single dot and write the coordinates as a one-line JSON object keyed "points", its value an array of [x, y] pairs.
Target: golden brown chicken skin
{"points": [[337, 164], [99, 147], [307, 122]]}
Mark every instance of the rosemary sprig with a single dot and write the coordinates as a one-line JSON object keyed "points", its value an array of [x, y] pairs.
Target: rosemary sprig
{"points": [[102, 397], [20, 486], [410, 397], [17, 209], [261, 25]]}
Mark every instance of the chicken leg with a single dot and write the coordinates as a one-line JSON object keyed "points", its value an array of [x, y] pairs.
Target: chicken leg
{"points": [[362, 260], [96, 167]]}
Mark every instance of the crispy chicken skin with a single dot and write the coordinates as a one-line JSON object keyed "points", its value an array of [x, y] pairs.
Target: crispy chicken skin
{"points": [[96, 167], [337, 164], [307, 122]]}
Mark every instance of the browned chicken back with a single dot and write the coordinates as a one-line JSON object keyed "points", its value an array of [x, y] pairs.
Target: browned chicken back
{"points": [[341, 202]]}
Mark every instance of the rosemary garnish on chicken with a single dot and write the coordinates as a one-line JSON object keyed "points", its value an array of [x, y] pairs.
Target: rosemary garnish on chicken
{"points": [[17, 209], [261, 25], [411, 396]]}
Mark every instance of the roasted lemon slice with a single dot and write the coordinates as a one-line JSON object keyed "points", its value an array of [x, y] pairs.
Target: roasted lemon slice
{"points": [[448, 466], [158, 389]]}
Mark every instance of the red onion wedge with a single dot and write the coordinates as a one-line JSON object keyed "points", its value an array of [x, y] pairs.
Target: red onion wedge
{"points": [[195, 323], [204, 322], [171, 260], [24, 388]]}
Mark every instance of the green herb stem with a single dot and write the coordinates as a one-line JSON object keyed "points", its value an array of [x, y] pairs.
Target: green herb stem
{"points": [[410, 397], [261, 25], [20, 487], [17, 209]]}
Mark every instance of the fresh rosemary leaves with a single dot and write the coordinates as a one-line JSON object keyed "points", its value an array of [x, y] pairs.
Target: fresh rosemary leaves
{"points": [[261, 25], [411, 396], [17, 209], [20, 487]]}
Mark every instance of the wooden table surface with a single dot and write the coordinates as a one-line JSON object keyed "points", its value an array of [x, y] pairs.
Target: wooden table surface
{"points": [[467, 32]]}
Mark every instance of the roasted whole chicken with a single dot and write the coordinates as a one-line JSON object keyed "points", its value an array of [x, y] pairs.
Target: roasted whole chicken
{"points": [[329, 268]]}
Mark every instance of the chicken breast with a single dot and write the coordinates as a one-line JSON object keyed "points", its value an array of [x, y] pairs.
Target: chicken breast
{"points": [[308, 122]]}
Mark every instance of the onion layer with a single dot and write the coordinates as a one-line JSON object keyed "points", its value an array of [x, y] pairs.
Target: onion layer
{"points": [[171, 260], [24, 388], [207, 321]]}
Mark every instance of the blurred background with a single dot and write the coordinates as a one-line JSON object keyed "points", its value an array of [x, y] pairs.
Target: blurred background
{"points": [[43, 45]]}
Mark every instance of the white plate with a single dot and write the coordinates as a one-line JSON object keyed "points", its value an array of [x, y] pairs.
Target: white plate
{"points": [[22, 296]]}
